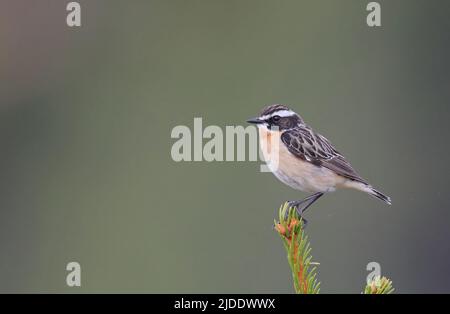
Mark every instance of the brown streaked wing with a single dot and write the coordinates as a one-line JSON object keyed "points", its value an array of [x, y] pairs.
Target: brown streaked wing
{"points": [[315, 148]]}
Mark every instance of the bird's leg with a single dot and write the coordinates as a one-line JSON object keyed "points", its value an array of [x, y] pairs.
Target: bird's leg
{"points": [[306, 202], [303, 204], [310, 201]]}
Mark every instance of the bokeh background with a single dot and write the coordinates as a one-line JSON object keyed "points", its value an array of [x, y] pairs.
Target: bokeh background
{"points": [[86, 116]]}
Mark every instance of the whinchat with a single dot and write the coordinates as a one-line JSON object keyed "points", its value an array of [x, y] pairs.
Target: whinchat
{"points": [[307, 161]]}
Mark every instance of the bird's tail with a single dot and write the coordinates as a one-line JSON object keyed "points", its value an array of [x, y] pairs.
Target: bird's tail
{"points": [[362, 186], [378, 195]]}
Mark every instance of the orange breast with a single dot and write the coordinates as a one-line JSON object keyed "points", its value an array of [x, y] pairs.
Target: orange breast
{"points": [[267, 140]]}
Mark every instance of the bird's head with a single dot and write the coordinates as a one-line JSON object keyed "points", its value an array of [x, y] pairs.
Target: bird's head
{"points": [[277, 116]]}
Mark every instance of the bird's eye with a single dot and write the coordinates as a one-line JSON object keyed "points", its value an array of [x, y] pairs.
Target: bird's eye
{"points": [[276, 118]]}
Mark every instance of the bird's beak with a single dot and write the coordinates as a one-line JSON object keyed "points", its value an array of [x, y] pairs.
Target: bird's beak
{"points": [[255, 121]]}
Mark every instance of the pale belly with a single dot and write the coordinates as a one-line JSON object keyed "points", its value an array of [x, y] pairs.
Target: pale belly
{"points": [[291, 170]]}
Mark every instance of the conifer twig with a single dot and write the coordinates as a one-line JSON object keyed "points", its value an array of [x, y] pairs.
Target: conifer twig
{"points": [[290, 227], [379, 286]]}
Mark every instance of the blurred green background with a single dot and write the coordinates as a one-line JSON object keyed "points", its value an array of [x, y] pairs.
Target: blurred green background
{"points": [[86, 115]]}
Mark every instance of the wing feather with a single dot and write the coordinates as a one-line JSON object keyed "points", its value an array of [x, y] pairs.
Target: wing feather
{"points": [[315, 148]]}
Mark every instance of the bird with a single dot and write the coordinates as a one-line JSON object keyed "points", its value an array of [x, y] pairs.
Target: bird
{"points": [[307, 161]]}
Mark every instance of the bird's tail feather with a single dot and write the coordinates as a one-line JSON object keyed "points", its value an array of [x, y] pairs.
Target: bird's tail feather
{"points": [[362, 186], [379, 195]]}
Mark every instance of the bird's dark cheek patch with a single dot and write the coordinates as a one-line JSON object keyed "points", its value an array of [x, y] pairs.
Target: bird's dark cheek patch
{"points": [[286, 124]]}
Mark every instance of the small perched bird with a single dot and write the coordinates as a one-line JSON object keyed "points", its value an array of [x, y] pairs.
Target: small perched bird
{"points": [[307, 161]]}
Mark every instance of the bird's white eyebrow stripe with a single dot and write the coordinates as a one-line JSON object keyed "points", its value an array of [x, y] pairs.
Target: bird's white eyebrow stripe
{"points": [[281, 113]]}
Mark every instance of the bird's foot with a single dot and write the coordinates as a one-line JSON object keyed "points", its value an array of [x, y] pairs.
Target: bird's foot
{"points": [[299, 208], [302, 205]]}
